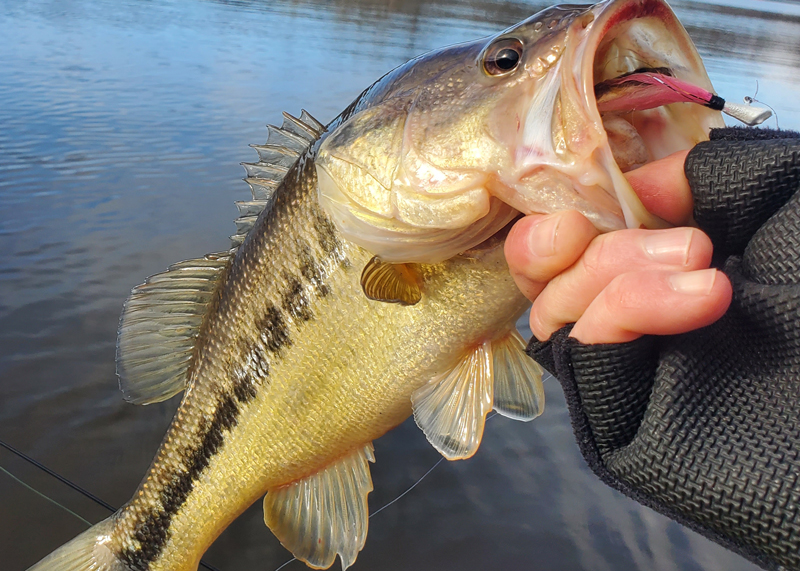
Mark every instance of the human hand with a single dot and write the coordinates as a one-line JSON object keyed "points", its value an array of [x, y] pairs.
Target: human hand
{"points": [[618, 286], [702, 426]]}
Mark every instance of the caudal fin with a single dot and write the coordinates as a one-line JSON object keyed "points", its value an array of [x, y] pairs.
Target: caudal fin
{"points": [[87, 552]]}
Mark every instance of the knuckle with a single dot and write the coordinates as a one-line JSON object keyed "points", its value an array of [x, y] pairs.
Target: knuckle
{"points": [[593, 260], [540, 326], [618, 295]]}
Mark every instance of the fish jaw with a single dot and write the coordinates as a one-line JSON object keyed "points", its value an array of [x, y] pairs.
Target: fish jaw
{"points": [[404, 174], [566, 154], [443, 152]]}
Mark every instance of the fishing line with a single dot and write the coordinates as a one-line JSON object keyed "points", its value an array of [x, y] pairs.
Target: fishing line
{"points": [[72, 485], [425, 475], [292, 560], [58, 477], [41, 495], [376, 512], [750, 100], [414, 485]]}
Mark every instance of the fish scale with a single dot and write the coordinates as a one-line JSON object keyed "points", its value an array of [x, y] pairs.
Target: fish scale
{"points": [[366, 282], [283, 309], [279, 329]]}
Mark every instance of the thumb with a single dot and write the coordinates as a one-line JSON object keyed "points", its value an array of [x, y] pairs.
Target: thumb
{"points": [[663, 189]]}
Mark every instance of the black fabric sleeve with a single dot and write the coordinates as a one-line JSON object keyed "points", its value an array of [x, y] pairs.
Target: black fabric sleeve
{"points": [[705, 427]]}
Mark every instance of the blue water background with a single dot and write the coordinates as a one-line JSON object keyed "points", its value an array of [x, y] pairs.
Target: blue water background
{"points": [[121, 128]]}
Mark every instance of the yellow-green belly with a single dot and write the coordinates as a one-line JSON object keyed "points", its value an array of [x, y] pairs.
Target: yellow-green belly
{"points": [[325, 369]]}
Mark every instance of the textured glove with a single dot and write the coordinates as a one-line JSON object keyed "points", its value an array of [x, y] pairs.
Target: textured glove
{"points": [[704, 427]]}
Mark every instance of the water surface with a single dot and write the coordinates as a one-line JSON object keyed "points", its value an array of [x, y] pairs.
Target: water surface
{"points": [[121, 128]]}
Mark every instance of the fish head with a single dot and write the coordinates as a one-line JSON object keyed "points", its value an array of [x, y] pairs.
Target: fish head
{"points": [[446, 150]]}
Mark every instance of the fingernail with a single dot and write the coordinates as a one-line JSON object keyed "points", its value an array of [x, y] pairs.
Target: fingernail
{"points": [[670, 247], [542, 240], [694, 283]]}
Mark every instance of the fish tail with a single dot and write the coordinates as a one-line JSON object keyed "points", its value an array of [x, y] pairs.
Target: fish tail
{"points": [[87, 552]]}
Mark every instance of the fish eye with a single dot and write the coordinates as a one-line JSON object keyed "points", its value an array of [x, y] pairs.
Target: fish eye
{"points": [[503, 56]]}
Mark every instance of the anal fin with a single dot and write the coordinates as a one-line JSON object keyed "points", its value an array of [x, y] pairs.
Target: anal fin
{"points": [[451, 409], [518, 390], [325, 514]]}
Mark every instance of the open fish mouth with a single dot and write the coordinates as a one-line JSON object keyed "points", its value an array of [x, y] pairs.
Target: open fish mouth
{"points": [[640, 79], [628, 88], [621, 102], [650, 90], [547, 115]]}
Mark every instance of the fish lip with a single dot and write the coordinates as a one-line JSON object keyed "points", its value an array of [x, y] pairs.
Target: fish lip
{"points": [[496, 240], [607, 17]]}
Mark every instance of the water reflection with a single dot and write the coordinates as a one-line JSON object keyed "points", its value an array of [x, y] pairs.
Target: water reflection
{"points": [[121, 126]]}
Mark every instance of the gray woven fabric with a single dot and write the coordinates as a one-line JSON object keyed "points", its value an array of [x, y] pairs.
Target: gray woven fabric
{"points": [[705, 427]]}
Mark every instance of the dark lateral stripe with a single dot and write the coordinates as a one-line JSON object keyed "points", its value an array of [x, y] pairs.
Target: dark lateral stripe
{"points": [[152, 531], [253, 373], [326, 232], [311, 270], [295, 300], [328, 238], [245, 390], [274, 330]]}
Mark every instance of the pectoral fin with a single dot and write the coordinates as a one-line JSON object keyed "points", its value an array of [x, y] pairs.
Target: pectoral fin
{"points": [[393, 283], [451, 409], [322, 515], [518, 390]]}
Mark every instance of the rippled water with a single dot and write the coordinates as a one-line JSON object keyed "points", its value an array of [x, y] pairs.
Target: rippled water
{"points": [[121, 128]]}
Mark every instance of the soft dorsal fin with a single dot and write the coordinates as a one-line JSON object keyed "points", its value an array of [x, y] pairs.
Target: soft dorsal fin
{"points": [[159, 325], [161, 320], [451, 408], [394, 283], [326, 513], [518, 390], [283, 147]]}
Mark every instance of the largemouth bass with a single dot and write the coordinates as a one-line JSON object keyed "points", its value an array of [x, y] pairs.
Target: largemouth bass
{"points": [[367, 280]]}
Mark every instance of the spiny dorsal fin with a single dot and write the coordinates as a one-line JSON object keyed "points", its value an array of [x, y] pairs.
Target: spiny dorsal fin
{"points": [[275, 155], [283, 147], [326, 513], [393, 283], [161, 320], [518, 390], [451, 408], [300, 128], [308, 120], [159, 325]]}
